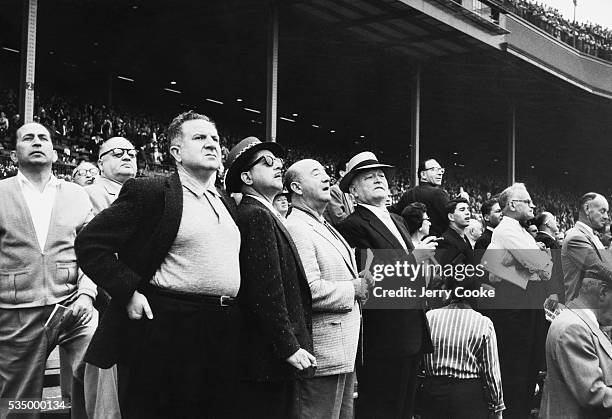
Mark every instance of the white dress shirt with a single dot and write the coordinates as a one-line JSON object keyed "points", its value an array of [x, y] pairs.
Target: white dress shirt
{"points": [[515, 256], [384, 216], [268, 205], [39, 204]]}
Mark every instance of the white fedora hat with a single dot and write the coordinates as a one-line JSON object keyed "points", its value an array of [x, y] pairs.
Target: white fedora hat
{"points": [[363, 161]]}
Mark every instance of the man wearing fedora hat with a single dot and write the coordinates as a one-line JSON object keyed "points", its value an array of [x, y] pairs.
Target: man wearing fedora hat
{"points": [[274, 291], [393, 340], [579, 354], [167, 251]]}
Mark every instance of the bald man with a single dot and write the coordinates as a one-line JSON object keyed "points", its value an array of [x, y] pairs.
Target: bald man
{"points": [[336, 287], [117, 163], [40, 217]]}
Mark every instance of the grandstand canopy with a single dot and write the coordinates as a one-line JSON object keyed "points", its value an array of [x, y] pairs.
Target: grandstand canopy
{"points": [[345, 65]]}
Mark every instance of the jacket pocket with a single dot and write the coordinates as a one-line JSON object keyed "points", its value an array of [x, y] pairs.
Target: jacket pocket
{"points": [[16, 287], [66, 273]]}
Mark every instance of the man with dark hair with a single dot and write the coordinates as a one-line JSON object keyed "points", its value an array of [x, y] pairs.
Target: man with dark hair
{"points": [[274, 292], [429, 192], [491, 214], [167, 251], [40, 217], [582, 250], [341, 204], [547, 231]]}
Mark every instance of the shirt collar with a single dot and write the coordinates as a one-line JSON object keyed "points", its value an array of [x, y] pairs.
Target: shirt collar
{"points": [[490, 228], [548, 234], [376, 210], [268, 205], [591, 315], [194, 185], [111, 186], [309, 211], [53, 181], [586, 226]]}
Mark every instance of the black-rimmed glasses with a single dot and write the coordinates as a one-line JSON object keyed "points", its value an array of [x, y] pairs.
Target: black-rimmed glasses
{"points": [[119, 152], [437, 169], [92, 172], [267, 160]]}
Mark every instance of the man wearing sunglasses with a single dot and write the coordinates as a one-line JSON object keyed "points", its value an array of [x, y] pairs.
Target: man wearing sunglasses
{"points": [[117, 162], [167, 251], [274, 289], [85, 174], [429, 191]]}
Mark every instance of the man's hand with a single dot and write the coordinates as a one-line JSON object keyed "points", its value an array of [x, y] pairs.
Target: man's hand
{"points": [[361, 288], [137, 306], [302, 359], [426, 249], [367, 275], [82, 309]]}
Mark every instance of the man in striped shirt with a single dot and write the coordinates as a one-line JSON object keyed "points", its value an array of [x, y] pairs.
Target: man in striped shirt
{"points": [[463, 362]]}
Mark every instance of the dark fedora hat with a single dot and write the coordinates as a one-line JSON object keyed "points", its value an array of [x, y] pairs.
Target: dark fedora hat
{"points": [[240, 156], [363, 161]]}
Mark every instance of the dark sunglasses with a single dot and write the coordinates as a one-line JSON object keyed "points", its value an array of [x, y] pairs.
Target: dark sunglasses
{"points": [[268, 161], [119, 152]]}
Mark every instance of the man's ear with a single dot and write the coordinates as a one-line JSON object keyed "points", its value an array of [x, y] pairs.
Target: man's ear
{"points": [[296, 188], [246, 178], [175, 152]]}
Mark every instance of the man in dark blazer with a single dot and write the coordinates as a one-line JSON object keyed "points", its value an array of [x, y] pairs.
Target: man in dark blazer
{"points": [[547, 230], [275, 293], [171, 325], [393, 339], [429, 191], [491, 214]]}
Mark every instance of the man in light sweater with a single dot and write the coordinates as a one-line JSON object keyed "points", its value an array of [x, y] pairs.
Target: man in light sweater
{"points": [[40, 217], [336, 287], [167, 251]]}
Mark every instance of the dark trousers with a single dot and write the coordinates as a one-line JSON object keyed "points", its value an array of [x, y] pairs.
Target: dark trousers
{"points": [[270, 400], [327, 397], [387, 387], [453, 398], [183, 363], [521, 335]]}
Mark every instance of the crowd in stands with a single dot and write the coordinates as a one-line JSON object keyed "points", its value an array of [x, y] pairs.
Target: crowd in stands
{"points": [[78, 129], [590, 38]]}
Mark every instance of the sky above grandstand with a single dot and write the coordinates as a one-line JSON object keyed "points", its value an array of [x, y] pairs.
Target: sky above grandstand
{"points": [[595, 11]]}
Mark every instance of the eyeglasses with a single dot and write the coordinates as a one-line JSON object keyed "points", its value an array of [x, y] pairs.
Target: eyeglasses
{"points": [[524, 201], [267, 160], [92, 172], [437, 169], [119, 152]]}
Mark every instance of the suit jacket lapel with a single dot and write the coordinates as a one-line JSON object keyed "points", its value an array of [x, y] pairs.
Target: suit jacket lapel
{"points": [[399, 223], [281, 227], [587, 234], [344, 250], [379, 227], [604, 340], [171, 217]]}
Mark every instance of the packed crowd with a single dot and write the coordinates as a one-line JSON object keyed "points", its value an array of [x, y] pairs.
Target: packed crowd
{"points": [[320, 283], [589, 38]]}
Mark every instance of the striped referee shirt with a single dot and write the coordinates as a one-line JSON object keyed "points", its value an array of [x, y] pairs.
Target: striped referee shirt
{"points": [[465, 346]]}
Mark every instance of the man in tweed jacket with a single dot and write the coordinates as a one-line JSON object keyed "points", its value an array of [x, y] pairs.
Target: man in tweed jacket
{"points": [[336, 288]]}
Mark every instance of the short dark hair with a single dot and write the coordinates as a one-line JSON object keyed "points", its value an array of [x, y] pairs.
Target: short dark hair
{"points": [[422, 167], [340, 165], [488, 205], [413, 215], [451, 206], [175, 129]]}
